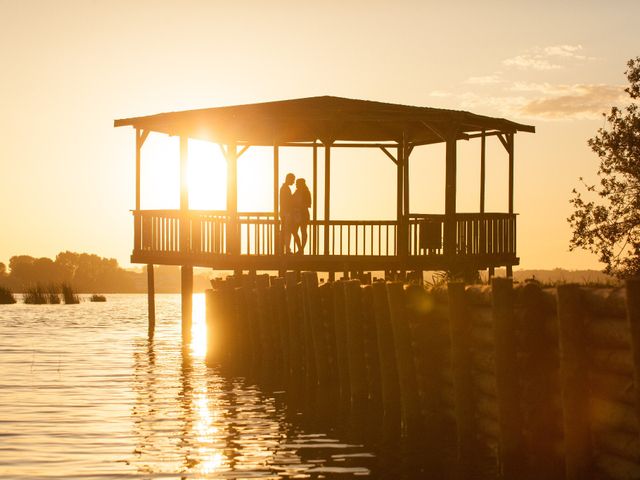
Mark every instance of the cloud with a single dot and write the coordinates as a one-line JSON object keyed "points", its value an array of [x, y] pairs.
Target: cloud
{"points": [[534, 62], [578, 101], [546, 58], [564, 51], [484, 80]]}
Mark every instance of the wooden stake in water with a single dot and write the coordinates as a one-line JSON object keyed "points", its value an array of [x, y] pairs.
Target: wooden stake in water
{"points": [[633, 314], [151, 300], [507, 381], [573, 377]]}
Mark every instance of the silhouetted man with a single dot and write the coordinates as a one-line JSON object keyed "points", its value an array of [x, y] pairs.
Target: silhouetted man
{"points": [[287, 212]]}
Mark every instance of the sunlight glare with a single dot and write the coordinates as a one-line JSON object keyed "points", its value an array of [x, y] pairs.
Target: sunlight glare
{"points": [[206, 176]]}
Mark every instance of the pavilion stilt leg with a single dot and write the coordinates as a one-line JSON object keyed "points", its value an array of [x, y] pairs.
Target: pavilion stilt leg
{"points": [[509, 271], [151, 300], [492, 273], [187, 302]]}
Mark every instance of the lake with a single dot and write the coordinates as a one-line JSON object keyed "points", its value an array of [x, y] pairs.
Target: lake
{"points": [[84, 394]]}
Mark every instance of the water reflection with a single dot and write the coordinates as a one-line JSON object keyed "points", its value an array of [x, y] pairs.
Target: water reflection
{"points": [[84, 394], [191, 420]]}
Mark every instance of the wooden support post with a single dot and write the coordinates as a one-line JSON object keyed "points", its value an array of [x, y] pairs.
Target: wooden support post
{"points": [[574, 383], [184, 167], [449, 246], [459, 330], [185, 240], [151, 300], [314, 202], [511, 441], [187, 301], [327, 194], [137, 245], [483, 169], [633, 316], [405, 194], [400, 237], [510, 143], [233, 238], [276, 199]]}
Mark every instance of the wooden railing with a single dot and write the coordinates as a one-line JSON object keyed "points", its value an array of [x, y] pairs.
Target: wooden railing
{"points": [[475, 234], [258, 233]]}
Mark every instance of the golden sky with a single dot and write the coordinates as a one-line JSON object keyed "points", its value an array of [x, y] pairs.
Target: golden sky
{"points": [[69, 68]]}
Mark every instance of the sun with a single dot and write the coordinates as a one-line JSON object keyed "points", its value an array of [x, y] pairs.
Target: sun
{"points": [[206, 176]]}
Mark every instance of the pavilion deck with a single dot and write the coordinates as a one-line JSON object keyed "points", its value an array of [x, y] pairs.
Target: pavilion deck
{"points": [[251, 241]]}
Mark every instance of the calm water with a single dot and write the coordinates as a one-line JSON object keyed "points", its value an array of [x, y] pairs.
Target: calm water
{"points": [[83, 394]]}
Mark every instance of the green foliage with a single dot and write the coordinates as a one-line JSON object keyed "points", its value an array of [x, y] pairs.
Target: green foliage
{"points": [[6, 296], [98, 298], [609, 224]]}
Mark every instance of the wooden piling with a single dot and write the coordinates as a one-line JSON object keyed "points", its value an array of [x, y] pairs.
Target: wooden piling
{"points": [[405, 358], [386, 351], [372, 356], [633, 316], [209, 315], [187, 301], [294, 317], [312, 305], [512, 456], [539, 375], [355, 343], [151, 301], [466, 428], [573, 371], [340, 327], [281, 323]]}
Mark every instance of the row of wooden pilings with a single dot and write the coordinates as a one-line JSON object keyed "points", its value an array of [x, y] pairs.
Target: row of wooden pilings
{"points": [[492, 382]]}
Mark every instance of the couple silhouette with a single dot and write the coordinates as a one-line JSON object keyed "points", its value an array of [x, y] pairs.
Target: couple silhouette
{"points": [[294, 213]]}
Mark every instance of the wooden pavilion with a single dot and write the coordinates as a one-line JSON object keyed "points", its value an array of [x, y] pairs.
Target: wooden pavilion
{"points": [[413, 241]]}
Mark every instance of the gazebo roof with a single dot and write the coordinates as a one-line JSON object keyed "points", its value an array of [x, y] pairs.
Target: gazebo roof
{"points": [[323, 118]]}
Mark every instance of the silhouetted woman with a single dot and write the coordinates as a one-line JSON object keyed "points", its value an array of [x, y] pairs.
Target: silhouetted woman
{"points": [[301, 205]]}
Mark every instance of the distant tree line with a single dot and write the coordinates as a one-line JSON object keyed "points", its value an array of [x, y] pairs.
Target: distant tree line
{"points": [[83, 271], [89, 273]]}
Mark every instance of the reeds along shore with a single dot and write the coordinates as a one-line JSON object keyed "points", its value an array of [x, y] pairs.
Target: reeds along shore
{"points": [[6, 296], [513, 382], [52, 294]]}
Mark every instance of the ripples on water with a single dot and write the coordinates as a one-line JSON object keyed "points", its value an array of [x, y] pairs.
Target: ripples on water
{"points": [[84, 394]]}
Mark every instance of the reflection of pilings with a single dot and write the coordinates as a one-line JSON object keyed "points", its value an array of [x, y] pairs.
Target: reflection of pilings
{"points": [[145, 411], [521, 382], [185, 396]]}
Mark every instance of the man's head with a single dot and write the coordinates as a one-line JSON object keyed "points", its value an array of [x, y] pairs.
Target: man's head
{"points": [[300, 183], [289, 179]]}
